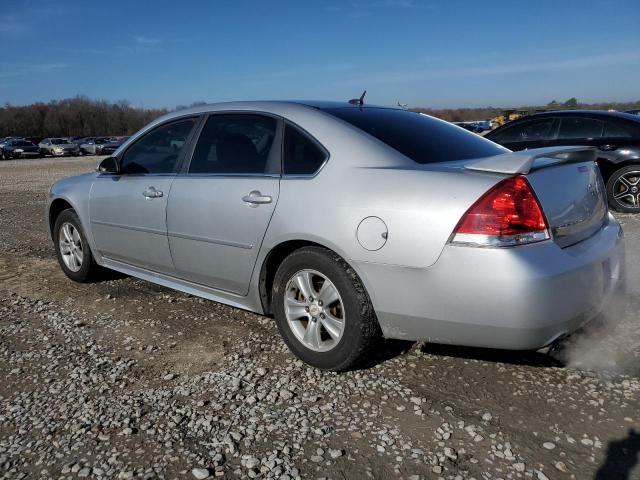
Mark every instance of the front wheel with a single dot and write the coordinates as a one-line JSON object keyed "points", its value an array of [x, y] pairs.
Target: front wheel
{"points": [[322, 310], [623, 189], [72, 249]]}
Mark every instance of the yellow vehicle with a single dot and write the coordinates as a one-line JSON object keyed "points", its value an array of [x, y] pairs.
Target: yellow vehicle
{"points": [[510, 115]]}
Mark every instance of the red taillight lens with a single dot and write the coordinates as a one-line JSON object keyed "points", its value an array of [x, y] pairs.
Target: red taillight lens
{"points": [[508, 214]]}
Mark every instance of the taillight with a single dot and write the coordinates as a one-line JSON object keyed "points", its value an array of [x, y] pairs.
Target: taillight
{"points": [[508, 214]]}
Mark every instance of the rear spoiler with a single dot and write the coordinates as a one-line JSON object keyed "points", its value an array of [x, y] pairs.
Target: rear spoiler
{"points": [[521, 163]]}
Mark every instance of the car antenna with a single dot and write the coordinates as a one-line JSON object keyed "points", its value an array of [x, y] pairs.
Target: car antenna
{"points": [[358, 101]]}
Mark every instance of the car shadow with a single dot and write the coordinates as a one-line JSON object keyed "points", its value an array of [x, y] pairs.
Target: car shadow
{"points": [[386, 350], [513, 357], [389, 349], [622, 456]]}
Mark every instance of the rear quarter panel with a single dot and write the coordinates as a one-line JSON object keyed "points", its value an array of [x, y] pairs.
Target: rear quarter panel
{"points": [[420, 205]]}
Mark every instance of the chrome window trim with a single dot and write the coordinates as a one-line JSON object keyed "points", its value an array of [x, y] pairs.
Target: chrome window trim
{"points": [[231, 175], [118, 176]]}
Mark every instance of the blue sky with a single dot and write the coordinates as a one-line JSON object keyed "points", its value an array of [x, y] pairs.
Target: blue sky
{"points": [[438, 53]]}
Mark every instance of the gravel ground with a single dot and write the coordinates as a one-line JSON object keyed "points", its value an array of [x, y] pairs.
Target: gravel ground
{"points": [[124, 379]]}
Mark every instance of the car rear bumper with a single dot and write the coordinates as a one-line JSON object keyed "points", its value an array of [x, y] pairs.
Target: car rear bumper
{"points": [[513, 298]]}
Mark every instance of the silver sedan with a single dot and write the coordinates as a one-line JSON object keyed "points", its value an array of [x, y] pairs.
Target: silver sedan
{"points": [[349, 223]]}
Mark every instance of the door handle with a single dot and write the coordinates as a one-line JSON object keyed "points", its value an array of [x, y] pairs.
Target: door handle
{"points": [[151, 192], [607, 147], [256, 198]]}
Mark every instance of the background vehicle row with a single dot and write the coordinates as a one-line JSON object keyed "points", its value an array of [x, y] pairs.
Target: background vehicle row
{"points": [[20, 147], [616, 137]]}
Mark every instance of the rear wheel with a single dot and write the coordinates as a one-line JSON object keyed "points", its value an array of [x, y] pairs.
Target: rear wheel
{"points": [[623, 189], [322, 310], [72, 249]]}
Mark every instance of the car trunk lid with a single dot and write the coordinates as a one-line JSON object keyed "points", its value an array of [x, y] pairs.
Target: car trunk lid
{"points": [[567, 183]]}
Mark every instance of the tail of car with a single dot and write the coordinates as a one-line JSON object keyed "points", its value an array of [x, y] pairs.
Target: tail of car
{"points": [[550, 193]]}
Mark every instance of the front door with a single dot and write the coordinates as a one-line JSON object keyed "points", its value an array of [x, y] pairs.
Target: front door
{"points": [[533, 133], [128, 210], [219, 210]]}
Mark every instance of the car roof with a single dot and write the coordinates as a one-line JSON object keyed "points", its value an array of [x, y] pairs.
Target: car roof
{"points": [[267, 105], [579, 113]]}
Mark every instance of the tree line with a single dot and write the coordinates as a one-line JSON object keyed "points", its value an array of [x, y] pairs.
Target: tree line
{"points": [[72, 117], [81, 116]]}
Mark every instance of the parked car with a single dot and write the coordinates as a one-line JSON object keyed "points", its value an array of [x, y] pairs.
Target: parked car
{"points": [[478, 126], [471, 126], [18, 148], [113, 144], [6, 139], [95, 145], [615, 136], [58, 147], [350, 222]]}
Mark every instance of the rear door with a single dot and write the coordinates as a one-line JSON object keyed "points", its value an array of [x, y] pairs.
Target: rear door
{"points": [[617, 137], [220, 207], [128, 210], [578, 130], [530, 133]]}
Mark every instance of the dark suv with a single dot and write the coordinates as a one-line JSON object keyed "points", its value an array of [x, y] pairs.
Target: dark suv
{"points": [[616, 137]]}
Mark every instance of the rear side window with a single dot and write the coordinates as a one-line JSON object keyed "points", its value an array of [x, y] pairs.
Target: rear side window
{"points": [[422, 138], [301, 155], [530, 131], [157, 151], [236, 144], [613, 129], [578, 128]]}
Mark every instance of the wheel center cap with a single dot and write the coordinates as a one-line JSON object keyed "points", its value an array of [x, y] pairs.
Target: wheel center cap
{"points": [[314, 309], [634, 189]]}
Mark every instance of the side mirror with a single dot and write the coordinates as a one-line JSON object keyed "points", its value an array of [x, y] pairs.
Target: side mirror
{"points": [[109, 165]]}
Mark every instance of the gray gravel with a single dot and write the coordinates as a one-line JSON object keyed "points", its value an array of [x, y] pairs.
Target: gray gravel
{"points": [[123, 379]]}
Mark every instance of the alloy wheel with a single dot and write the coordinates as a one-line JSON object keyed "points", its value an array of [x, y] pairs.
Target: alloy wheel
{"points": [[626, 189], [70, 244], [314, 310]]}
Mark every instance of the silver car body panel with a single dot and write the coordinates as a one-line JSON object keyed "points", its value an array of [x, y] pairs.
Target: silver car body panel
{"points": [[128, 227], [218, 242], [421, 286]]}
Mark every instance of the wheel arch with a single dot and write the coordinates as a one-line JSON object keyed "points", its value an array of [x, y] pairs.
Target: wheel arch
{"points": [[608, 168], [275, 257], [56, 207]]}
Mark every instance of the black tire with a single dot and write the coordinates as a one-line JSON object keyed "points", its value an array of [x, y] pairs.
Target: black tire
{"points": [[612, 187], [361, 328], [89, 270]]}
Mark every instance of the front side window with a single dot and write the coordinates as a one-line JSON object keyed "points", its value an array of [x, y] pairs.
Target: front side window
{"points": [[157, 151], [236, 144], [419, 137], [531, 131], [580, 128], [301, 156]]}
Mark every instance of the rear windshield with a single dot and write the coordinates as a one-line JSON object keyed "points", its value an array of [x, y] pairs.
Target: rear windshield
{"points": [[422, 138]]}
